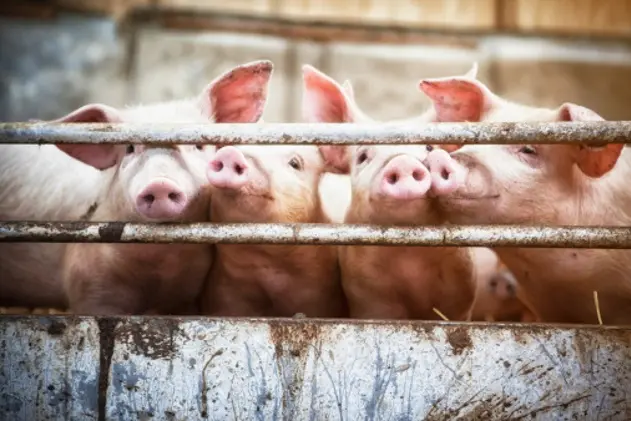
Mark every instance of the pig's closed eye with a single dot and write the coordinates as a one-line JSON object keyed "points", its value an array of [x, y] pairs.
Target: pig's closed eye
{"points": [[362, 158], [200, 147], [295, 163], [130, 149], [528, 150]]}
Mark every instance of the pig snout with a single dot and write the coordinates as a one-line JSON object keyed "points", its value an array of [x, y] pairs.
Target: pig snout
{"points": [[228, 169], [405, 177], [446, 174], [161, 199]]}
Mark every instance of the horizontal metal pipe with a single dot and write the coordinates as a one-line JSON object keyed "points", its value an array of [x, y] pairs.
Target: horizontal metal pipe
{"points": [[446, 236], [303, 134]]}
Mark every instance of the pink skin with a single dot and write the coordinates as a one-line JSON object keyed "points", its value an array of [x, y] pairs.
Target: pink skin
{"points": [[229, 169], [404, 178], [161, 199]]}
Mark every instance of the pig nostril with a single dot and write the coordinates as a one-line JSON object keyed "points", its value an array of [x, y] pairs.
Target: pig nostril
{"points": [[149, 198], [174, 197], [445, 174], [510, 289], [217, 166], [393, 178], [417, 175], [238, 169]]}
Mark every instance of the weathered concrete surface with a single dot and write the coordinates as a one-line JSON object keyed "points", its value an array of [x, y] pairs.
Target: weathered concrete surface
{"points": [[196, 368], [174, 65], [385, 78], [49, 368], [48, 68]]}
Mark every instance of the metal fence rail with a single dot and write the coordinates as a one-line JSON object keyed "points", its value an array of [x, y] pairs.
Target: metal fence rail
{"points": [[338, 234], [594, 133], [598, 132]]}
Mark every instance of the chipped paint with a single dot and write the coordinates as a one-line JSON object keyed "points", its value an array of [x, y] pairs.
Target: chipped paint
{"points": [[304, 369]]}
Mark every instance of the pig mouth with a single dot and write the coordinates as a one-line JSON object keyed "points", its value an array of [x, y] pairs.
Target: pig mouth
{"points": [[473, 197], [246, 193]]}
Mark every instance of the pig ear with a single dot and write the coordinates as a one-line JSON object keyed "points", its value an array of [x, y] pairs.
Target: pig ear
{"points": [[593, 161], [348, 88], [456, 99], [99, 156], [473, 72], [336, 158], [239, 95], [323, 99]]}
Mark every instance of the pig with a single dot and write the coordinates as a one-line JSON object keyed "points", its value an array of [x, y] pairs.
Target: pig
{"points": [[546, 185], [133, 183], [497, 295], [265, 184], [394, 185]]}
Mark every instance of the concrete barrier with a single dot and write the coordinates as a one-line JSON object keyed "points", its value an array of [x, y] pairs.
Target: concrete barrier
{"points": [[173, 368]]}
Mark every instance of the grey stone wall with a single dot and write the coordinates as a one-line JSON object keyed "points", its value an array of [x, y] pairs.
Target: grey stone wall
{"points": [[48, 68]]}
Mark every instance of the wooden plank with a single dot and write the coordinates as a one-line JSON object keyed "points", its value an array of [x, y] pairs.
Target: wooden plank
{"points": [[323, 10], [265, 7], [302, 30], [114, 8], [29, 9], [581, 17], [446, 14], [170, 368]]}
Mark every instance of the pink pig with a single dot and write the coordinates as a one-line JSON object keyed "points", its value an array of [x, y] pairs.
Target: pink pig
{"points": [[272, 183], [394, 185], [155, 183], [543, 185]]}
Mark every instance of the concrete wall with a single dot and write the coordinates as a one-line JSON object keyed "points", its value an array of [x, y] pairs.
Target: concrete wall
{"points": [[48, 68]]}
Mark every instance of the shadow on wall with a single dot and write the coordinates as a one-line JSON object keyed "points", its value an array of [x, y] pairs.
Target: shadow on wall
{"points": [[48, 68]]}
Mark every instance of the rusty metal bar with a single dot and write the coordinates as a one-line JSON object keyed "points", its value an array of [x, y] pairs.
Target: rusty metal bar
{"points": [[303, 134], [431, 236]]}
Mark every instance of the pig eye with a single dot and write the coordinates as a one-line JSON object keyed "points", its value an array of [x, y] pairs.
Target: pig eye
{"points": [[429, 148], [130, 149], [200, 147], [528, 150], [362, 158], [295, 164]]}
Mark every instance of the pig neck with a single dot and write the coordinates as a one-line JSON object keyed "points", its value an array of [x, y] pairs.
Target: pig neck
{"points": [[559, 283], [276, 267], [409, 281]]}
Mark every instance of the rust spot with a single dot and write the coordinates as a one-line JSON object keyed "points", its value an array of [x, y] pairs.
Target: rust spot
{"points": [[112, 232], [56, 328], [292, 340], [88, 215], [295, 337], [153, 340], [106, 349], [459, 339]]}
